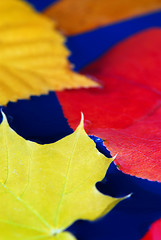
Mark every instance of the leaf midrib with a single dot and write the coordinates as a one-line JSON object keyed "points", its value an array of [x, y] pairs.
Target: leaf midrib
{"points": [[67, 174]]}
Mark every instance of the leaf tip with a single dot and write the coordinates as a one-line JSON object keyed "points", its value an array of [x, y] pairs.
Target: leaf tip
{"points": [[127, 196], [82, 119], [4, 118], [113, 158], [81, 124]]}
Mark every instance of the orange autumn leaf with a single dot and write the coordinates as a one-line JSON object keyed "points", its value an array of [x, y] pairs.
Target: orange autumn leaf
{"points": [[33, 58], [76, 16]]}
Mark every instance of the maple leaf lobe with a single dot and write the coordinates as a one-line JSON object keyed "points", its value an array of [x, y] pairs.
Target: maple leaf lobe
{"points": [[45, 188]]}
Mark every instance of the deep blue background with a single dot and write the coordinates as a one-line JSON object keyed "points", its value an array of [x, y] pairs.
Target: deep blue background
{"points": [[41, 4], [41, 119]]}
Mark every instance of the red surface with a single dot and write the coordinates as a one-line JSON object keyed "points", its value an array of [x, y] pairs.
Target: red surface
{"points": [[154, 232], [126, 110]]}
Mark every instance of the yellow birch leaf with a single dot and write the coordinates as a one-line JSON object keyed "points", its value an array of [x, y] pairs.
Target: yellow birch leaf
{"points": [[33, 58], [45, 188]]}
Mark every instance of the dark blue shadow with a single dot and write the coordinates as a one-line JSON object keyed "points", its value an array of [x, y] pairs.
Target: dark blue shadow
{"points": [[39, 119], [40, 5], [131, 218]]}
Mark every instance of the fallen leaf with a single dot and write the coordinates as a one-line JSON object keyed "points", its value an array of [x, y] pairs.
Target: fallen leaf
{"points": [[83, 15], [33, 57], [126, 111], [45, 188], [154, 232]]}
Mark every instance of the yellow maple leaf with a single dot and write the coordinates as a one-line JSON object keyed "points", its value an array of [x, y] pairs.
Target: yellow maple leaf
{"points": [[45, 188], [33, 58]]}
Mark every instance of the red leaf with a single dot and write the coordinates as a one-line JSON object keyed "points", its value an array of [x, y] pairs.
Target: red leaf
{"points": [[126, 110], [154, 232]]}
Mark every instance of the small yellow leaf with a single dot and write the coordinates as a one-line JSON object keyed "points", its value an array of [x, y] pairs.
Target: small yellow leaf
{"points": [[45, 188], [33, 57]]}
